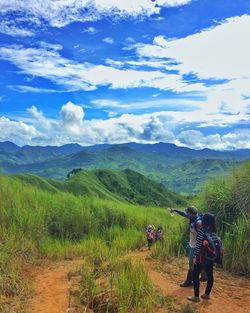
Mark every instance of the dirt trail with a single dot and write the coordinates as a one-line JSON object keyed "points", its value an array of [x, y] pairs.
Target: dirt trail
{"points": [[52, 287], [231, 294], [52, 295]]}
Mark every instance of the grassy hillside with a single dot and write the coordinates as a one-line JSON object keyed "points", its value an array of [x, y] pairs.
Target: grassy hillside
{"points": [[124, 185], [44, 218], [180, 169], [36, 222]]}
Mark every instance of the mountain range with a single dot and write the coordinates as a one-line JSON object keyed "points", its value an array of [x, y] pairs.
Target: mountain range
{"points": [[179, 168]]}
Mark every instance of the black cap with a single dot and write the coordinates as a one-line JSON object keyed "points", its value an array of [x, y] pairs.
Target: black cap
{"points": [[192, 210]]}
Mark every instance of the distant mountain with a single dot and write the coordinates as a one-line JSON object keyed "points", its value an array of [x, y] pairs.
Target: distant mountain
{"points": [[124, 185], [172, 151], [8, 147], [179, 168]]}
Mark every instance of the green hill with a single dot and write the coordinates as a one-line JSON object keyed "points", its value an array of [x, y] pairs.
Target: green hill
{"points": [[124, 185]]}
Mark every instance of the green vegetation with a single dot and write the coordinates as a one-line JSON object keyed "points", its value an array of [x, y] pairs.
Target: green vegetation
{"points": [[124, 185], [229, 199], [39, 221], [180, 169], [125, 287], [99, 215]]}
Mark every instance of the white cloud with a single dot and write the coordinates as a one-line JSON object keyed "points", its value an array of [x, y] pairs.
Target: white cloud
{"points": [[24, 89], [47, 62], [146, 128], [90, 30], [106, 103], [8, 28], [169, 104], [130, 39], [72, 118], [108, 40], [61, 13], [221, 52], [236, 139], [17, 131], [152, 63], [38, 120]]}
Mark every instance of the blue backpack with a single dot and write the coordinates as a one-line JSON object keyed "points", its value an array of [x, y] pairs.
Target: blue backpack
{"points": [[212, 248]]}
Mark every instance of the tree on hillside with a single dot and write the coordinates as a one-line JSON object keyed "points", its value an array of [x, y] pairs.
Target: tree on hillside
{"points": [[73, 172]]}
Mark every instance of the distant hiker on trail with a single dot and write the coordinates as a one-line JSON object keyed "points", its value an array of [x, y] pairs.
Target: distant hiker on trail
{"points": [[207, 251], [150, 236], [191, 213], [158, 234]]}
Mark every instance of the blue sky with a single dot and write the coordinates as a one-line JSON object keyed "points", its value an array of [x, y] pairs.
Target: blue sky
{"points": [[106, 71]]}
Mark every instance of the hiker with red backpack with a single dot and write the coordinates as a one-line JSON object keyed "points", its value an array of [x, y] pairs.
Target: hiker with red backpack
{"points": [[207, 252], [191, 213], [150, 236]]}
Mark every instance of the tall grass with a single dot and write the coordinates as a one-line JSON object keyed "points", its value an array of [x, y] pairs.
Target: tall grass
{"points": [[36, 223], [125, 288], [172, 245], [229, 200], [134, 289], [236, 245]]}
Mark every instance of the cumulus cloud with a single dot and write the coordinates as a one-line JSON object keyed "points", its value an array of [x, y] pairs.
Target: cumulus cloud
{"points": [[17, 131], [236, 139], [72, 118], [61, 13], [146, 128]]}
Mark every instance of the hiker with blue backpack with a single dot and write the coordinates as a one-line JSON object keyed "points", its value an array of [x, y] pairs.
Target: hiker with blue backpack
{"points": [[191, 213], [207, 252]]}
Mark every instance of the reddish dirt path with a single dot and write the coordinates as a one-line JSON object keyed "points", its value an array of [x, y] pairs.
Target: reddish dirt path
{"points": [[230, 294], [52, 286]]}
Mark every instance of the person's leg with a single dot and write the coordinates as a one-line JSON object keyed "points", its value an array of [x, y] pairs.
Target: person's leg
{"points": [[189, 280], [196, 273], [203, 275], [210, 277], [150, 243]]}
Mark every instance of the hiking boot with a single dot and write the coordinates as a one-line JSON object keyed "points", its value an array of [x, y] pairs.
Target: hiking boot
{"points": [[194, 298], [189, 280], [205, 297], [186, 284]]}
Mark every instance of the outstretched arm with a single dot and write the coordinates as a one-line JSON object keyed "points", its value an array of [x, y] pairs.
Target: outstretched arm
{"points": [[182, 213]]}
